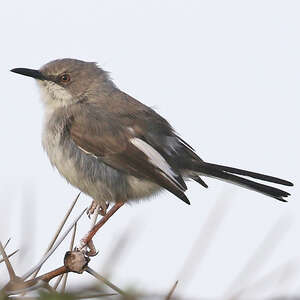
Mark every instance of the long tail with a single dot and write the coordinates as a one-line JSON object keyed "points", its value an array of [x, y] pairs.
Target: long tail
{"points": [[227, 174]]}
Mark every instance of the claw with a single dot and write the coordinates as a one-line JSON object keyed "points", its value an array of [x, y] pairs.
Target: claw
{"points": [[92, 249], [102, 210], [92, 208]]}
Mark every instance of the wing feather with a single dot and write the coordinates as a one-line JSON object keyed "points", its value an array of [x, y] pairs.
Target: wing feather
{"points": [[119, 148]]}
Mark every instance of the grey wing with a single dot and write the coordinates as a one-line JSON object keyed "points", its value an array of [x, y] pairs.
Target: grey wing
{"points": [[120, 148]]}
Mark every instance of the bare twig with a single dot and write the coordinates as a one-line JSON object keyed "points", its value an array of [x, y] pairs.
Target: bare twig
{"points": [[105, 281]]}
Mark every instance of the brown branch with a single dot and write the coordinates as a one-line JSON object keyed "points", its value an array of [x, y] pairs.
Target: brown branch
{"points": [[74, 261], [20, 286], [52, 274]]}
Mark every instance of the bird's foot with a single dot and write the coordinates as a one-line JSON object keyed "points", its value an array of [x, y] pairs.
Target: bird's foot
{"points": [[91, 249], [92, 208], [101, 210], [87, 248], [86, 243]]}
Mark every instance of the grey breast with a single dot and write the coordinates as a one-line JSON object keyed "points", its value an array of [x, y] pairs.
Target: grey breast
{"points": [[81, 169]]}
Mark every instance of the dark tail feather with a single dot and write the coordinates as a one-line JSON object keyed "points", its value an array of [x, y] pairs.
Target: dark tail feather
{"points": [[221, 172], [200, 180], [251, 174]]}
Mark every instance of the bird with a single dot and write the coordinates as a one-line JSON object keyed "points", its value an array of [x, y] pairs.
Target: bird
{"points": [[116, 149]]}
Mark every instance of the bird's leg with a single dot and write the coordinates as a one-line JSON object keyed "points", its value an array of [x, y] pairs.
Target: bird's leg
{"points": [[87, 239]]}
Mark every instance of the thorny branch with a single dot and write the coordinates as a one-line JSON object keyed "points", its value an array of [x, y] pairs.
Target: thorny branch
{"points": [[58, 231], [74, 261]]}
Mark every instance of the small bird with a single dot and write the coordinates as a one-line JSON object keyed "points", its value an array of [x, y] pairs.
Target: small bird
{"points": [[116, 149]]}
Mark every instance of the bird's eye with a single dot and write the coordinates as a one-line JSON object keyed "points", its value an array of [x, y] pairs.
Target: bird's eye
{"points": [[64, 78]]}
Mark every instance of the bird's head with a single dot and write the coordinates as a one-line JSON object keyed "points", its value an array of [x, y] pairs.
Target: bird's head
{"points": [[67, 81]]}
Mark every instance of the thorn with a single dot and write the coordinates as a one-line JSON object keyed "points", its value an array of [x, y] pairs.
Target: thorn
{"points": [[11, 254], [11, 272], [172, 290], [105, 281]]}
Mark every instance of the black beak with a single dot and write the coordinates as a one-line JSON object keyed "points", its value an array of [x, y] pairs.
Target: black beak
{"points": [[29, 72]]}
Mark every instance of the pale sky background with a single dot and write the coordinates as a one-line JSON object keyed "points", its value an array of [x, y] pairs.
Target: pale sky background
{"points": [[225, 74]]}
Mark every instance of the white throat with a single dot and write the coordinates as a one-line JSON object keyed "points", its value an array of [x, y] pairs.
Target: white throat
{"points": [[53, 95]]}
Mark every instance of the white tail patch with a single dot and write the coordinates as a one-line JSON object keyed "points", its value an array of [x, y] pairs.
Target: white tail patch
{"points": [[155, 158]]}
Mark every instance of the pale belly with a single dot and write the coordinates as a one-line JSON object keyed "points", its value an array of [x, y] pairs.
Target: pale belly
{"points": [[91, 176]]}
